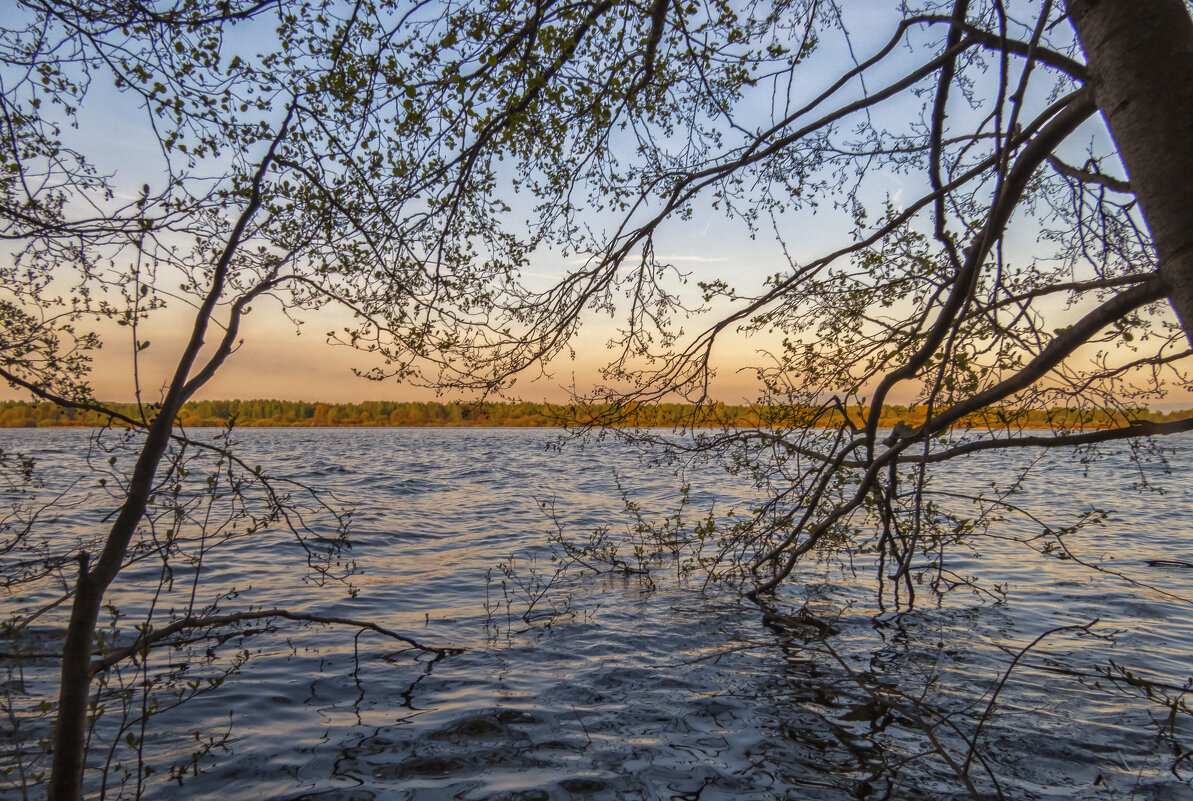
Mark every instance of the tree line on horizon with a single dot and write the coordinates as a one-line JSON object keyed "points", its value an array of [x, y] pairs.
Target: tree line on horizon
{"points": [[526, 414]]}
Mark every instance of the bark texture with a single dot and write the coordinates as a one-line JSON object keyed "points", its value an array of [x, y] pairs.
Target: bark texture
{"points": [[1140, 60], [70, 729]]}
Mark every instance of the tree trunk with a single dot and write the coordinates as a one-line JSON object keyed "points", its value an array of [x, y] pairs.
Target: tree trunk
{"points": [[74, 690], [70, 729], [1140, 57]]}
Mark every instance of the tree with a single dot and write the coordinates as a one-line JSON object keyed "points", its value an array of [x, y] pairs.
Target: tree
{"points": [[356, 154], [368, 154], [1034, 266], [980, 111]]}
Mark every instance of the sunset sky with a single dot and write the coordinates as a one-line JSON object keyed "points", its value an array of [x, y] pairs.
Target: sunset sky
{"points": [[289, 362], [277, 362]]}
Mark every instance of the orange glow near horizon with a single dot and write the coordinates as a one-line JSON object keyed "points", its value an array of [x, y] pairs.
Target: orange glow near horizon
{"points": [[276, 362]]}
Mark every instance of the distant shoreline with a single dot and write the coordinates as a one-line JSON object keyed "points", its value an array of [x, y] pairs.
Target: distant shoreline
{"points": [[454, 414]]}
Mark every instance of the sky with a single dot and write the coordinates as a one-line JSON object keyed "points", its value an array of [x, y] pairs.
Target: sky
{"points": [[278, 362], [282, 360]]}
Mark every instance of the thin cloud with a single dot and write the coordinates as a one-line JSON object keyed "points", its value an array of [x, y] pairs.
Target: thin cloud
{"points": [[700, 259], [666, 259]]}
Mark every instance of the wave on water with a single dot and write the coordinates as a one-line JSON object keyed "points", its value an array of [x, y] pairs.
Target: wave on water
{"points": [[574, 685]]}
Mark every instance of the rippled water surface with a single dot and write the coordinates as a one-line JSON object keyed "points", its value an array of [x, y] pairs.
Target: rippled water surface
{"points": [[577, 685]]}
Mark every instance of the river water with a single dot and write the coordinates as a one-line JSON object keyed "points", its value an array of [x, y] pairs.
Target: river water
{"points": [[577, 685]]}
